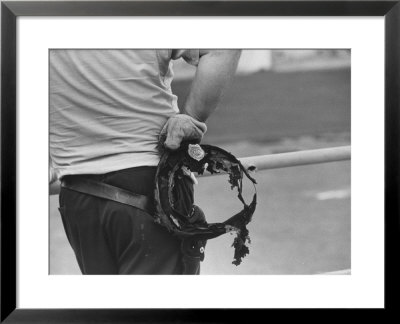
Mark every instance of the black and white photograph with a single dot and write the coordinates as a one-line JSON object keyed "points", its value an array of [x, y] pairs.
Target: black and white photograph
{"points": [[199, 161], [179, 161]]}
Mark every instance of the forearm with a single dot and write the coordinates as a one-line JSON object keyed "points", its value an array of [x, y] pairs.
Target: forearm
{"points": [[215, 69]]}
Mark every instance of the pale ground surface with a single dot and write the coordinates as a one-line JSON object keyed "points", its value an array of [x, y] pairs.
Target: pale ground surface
{"points": [[301, 225]]}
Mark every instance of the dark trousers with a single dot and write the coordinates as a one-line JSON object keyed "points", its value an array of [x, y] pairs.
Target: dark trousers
{"points": [[111, 238]]}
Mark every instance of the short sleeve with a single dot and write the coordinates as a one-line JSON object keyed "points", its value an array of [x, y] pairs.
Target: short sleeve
{"points": [[191, 56]]}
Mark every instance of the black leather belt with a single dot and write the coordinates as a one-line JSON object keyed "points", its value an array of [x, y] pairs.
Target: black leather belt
{"points": [[106, 191]]}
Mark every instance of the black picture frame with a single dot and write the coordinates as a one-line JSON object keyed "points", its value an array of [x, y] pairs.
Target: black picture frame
{"points": [[10, 11]]}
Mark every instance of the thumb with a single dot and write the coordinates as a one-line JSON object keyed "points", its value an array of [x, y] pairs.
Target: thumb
{"points": [[174, 138]]}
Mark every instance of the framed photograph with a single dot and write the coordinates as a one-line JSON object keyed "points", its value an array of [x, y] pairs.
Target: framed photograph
{"points": [[308, 114]]}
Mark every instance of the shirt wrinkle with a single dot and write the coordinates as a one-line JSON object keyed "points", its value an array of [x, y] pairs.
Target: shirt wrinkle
{"points": [[99, 122]]}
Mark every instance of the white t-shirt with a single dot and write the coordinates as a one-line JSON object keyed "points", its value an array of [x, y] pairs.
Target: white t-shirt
{"points": [[108, 106]]}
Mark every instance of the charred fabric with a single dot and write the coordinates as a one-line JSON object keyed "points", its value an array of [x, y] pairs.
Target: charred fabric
{"points": [[173, 167]]}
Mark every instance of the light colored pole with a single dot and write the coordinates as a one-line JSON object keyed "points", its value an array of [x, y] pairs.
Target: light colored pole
{"points": [[284, 160]]}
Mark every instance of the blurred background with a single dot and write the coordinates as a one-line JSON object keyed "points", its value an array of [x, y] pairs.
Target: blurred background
{"points": [[280, 101]]}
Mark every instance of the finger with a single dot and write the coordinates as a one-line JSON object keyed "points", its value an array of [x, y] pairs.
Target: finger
{"points": [[174, 139], [164, 131]]}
